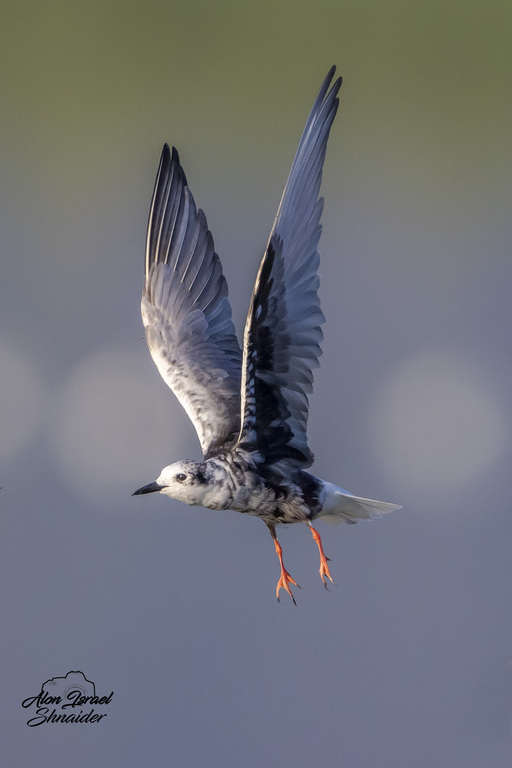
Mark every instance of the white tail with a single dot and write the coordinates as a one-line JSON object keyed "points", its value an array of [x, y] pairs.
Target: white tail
{"points": [[343, 507]]}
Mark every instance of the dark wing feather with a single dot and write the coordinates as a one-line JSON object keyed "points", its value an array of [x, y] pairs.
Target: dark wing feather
{"points": [[186, 312], [282, 333]]}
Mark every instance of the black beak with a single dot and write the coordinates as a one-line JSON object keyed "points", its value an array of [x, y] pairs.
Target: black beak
{"points": [[151, 488]]}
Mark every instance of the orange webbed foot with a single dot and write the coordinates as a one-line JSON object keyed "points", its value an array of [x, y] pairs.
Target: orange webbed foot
{"points": [[285, 579], [284, 583], [324, 571], [324, 560]]}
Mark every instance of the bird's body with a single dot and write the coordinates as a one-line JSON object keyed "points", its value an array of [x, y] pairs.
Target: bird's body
{"points": [[249, 407], [234, 481]]}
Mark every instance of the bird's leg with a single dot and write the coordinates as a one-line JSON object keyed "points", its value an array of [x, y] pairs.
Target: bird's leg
{"points": [[324, 568], [285, 579]]}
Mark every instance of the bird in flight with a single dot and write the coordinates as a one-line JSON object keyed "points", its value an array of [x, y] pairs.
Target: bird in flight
{"points": [[249, 406]]}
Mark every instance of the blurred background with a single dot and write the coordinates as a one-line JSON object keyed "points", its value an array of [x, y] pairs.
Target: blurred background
{"points": [[408, 659]]}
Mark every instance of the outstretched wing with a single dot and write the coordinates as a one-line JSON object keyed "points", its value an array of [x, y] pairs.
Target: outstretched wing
{"points": [[282, 333], [186, 312]]}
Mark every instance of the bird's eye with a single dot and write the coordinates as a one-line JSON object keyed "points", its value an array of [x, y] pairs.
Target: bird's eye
{"points": [[181, 477]]}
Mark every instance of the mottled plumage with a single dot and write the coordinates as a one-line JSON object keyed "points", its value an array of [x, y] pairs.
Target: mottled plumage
{"points": [[250, 407]]}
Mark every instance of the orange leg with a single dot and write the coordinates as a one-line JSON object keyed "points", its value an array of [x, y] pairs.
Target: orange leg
{"points": [[324, 568], [285, 579]]}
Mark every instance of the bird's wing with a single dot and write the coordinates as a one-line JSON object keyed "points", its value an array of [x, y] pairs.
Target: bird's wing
{"points": [[282, 333], [186, 312]]}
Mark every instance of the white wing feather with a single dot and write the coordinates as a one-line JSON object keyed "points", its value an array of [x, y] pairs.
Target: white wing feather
{"points": [[186, 312]]}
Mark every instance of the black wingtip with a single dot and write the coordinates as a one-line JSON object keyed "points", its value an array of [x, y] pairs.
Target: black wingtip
{"points": [[329, 77], [165, 157], [175, 161], [169, 157], [334, 88]]}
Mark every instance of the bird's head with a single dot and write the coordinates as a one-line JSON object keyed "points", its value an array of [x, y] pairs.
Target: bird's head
{"points": [[186, 481]]}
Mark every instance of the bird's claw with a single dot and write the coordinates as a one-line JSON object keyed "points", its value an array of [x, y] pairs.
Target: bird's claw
{"points": [[325, 572], [324, 560], [284, 583]]}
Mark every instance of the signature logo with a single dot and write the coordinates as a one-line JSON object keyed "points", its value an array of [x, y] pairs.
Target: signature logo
{"points": [[69, 699]]}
